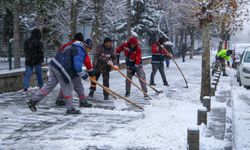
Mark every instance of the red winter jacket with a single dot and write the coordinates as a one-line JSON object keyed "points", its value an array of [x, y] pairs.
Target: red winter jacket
{"points": [[87, 62], [133, 55], [158, 53]]}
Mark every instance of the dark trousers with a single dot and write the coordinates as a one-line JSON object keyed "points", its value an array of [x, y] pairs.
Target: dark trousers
{"points": [[105, 76], [160, 67]]}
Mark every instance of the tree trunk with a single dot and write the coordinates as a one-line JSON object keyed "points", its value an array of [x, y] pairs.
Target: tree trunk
{"points": [[182, 37], [129, 18], [73, 18], [176, 42], [191, 33], [98, 8], [17, 51], [185, 38], [220, 46], [40, 15], [205, 79]]}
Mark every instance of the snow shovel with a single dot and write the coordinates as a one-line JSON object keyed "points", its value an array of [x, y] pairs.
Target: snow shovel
{"points": [[134, 84], [180, 71], [115, 94], [156, 91], [168, 52], [177, 66]]}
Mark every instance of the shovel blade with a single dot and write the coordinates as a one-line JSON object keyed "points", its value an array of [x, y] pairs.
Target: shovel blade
{"points": [[158, 92]]}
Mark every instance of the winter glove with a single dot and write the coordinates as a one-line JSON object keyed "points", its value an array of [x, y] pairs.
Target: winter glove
{"points": [[92, 73], [84, 74], [92, 78], [133, 70], [115, 67], [110, 63]]}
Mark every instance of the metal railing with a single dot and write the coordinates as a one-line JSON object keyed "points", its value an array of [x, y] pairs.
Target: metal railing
{"points": [[6, 56]]}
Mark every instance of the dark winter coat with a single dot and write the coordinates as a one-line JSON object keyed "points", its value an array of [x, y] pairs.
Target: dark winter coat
{"points": [[33, 49], [102, 56]]}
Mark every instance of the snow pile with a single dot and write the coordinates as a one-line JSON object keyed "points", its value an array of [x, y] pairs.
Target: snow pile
{"points": [[164, 124], [120, 104]]}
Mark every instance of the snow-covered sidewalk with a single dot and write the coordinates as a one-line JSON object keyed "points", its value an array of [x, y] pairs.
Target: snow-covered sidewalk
{"points": [[162, 125]]}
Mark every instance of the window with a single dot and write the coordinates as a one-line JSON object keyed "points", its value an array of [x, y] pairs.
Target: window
{"points": [[247, 57]]}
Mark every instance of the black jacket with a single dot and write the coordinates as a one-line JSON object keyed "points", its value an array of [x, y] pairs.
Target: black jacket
{"points": [[33, 50]]}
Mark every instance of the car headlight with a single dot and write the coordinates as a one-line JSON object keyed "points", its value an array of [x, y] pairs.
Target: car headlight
{"points": [[246, 70]]}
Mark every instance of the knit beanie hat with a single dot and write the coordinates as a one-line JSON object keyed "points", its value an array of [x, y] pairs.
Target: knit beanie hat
{"points": [[107, 39]]}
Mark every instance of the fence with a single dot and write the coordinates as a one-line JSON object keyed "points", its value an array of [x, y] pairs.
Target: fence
{"points": [[7, 56]]}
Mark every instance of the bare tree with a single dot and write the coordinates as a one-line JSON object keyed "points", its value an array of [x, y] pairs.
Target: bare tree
{"points": [[73, 18]]}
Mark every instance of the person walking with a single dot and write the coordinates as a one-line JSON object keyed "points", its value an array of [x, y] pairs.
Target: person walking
{"points": [[169, 46], [63, 68], [77, 84], [158, 55], [34, 57], [104, 61], [222, 56], [132, 52], [183, 51]]}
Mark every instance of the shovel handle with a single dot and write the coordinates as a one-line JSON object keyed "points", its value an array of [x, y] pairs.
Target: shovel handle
{"points": [[115, 94], [132, 82]]}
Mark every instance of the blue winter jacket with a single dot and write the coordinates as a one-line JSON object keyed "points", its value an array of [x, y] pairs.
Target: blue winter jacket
{"points": [[69, 62]]}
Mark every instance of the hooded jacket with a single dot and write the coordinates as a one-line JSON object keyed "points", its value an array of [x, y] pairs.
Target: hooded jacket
{"points": [[33, 49]]}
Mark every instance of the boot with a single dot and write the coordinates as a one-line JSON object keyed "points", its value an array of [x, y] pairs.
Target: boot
{"points": [[25, 91], [91, 93], [127, 94], [60, 103], [152, 83], [84, 103], [166, 84], [224, 73], [106, 97], [72, 111], [146, 97], [31, 105]]}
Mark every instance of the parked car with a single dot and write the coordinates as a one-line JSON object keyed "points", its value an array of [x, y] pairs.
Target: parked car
{"points": [[238, 50], [243, 70]]}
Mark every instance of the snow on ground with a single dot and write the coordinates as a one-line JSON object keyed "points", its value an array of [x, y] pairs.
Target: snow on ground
{"points": [[162, 125], [241, 115]]}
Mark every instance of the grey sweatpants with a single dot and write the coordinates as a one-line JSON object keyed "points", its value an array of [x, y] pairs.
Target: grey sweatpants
{"points": [[53, 79], [155, 67], [78, 88], [141, 74]]}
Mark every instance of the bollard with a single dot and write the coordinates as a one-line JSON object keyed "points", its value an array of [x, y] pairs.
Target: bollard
{"points": [[213, 89], [214, 83], [193, 138], [217, 79], [218, 73], [202, 116], [207, 102]]}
